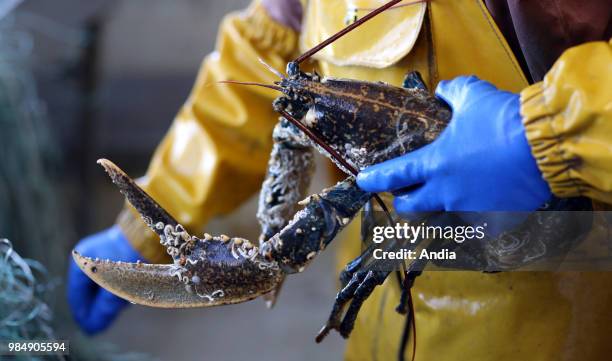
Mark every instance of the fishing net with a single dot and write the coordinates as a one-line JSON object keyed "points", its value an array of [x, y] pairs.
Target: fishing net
{"points": [[24, 314]]}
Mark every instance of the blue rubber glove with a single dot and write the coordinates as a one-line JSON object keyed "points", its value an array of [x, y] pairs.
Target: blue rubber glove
{"points": [[481, 161], [93, 307]]}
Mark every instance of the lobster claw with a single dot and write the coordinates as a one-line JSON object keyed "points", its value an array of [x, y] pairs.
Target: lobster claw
{"points": [[206, 272]]}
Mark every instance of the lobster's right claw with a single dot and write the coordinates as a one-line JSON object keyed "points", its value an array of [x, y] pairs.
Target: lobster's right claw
{"points": [[206, 272]]}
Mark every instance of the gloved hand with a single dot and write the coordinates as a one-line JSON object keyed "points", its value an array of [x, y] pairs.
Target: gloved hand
{"points": [[481, 161], [286, 12], [93, 307]]}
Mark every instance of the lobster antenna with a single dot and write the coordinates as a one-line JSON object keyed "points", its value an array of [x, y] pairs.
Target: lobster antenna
{"points": [[344, 31], [413, 322], [251, 83], [396, 6], [269, 67]]}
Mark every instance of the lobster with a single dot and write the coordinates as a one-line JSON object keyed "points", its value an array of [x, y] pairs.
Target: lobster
{"points": [[354, 123]]}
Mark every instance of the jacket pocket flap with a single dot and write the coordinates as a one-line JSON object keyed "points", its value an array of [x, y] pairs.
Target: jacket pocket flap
{"points": [[378, 43]]}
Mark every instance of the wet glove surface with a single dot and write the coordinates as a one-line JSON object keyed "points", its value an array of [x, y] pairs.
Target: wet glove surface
{"points": [[481, 161], [94, 308]]}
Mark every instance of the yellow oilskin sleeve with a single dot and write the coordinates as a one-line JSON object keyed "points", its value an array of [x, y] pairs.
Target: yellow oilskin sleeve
{"points": [[568, 121], [214, 156]]}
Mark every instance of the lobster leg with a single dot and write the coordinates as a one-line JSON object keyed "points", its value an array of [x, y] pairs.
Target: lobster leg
{"points": [[357, 290], [289, 173], [359, 279]]}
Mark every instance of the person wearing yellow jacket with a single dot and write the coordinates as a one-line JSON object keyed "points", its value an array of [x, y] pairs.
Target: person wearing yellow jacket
{"points": [[200, 168]]}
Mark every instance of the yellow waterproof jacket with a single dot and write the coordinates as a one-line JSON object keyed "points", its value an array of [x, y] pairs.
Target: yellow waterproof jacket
{"points": [[214, 157]]}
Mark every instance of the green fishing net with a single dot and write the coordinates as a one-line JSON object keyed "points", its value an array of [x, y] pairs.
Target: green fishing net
{"points": [[24, 314]]}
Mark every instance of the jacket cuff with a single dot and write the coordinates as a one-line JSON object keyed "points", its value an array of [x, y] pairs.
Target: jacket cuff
{"points": [[268, 34], [548, 145], [144, 240]]}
